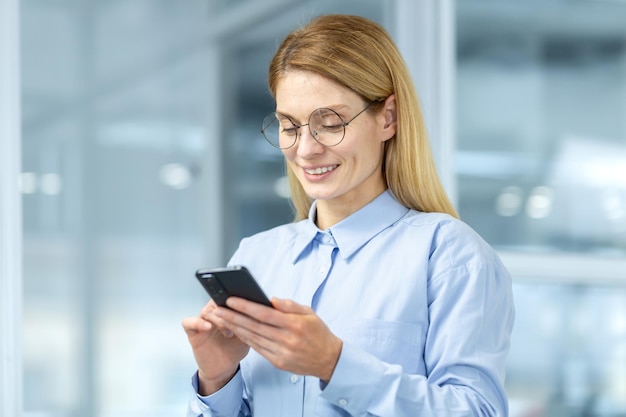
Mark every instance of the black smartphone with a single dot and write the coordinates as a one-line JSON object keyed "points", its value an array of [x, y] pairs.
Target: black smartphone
{"points": [[222, 283]]}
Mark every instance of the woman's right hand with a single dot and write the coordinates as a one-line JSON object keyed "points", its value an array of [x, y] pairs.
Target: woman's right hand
{"points": [[216, 350]]}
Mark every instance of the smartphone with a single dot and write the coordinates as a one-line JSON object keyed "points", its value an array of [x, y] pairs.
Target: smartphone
{"points": [[222, 283]]}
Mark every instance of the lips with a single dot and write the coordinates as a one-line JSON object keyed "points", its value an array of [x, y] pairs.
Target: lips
{"points": [[320, 170]]}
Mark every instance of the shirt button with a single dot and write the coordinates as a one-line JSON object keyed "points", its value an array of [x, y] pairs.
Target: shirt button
{"points": [[342, 402], [294, 378]]}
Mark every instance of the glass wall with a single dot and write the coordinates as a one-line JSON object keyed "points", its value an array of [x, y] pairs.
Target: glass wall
{"points": [[116, 161], [541, 168], [541, 99], [568, 355]]}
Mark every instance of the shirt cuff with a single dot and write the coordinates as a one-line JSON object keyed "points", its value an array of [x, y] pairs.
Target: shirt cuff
{"points": [[225, 402], [355, 380]]}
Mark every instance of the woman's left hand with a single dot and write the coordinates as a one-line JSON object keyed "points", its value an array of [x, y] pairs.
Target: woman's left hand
{"points": [[290, 335]]}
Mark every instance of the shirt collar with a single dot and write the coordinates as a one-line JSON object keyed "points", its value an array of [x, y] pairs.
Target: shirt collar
{"points": [[356, 230]]}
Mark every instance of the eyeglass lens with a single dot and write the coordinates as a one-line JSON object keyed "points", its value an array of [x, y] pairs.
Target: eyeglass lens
{"points": [[326, 126]]}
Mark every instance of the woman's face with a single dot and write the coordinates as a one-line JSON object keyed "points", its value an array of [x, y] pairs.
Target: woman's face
{"points": [[347, 176]]}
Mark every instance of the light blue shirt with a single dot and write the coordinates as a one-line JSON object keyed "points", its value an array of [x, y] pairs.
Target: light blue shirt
{"points": [[423, 305]]}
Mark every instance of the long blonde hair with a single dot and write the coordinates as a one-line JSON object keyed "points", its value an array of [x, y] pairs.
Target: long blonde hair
{"points": [[360, 55]]}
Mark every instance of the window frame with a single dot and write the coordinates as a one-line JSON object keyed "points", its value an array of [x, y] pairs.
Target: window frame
{"points": [[10, 213]]}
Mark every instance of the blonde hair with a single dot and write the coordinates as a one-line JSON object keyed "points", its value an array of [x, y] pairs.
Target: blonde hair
{"points": [[359, 54]]}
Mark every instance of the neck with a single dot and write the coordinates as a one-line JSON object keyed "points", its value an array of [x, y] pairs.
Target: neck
{"points": [[331, 212]]}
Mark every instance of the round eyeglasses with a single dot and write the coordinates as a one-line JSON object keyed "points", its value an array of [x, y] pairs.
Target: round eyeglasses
{"points": [[325, 125]]}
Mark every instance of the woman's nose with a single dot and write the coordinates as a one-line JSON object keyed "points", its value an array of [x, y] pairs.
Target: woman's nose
{"points": [[307, 143]]}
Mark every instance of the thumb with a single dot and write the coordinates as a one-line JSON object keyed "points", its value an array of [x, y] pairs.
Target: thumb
{"points": [[290, 306]]}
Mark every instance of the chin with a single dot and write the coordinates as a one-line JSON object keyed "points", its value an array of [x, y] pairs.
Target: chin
{"points": [[317, 194]]}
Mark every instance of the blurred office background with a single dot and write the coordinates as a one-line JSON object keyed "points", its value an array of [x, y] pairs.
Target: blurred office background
{"points": [[142, 161]]}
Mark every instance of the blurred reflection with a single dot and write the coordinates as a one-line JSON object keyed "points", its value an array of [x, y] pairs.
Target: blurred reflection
{"points": [[539, 204], [509, 201], [114, 125], [540, 109], [568, 351]]}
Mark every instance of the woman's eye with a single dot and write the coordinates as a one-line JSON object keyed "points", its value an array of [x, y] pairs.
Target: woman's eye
{"points": [[328, 121], [290, 131], [331, 128]]}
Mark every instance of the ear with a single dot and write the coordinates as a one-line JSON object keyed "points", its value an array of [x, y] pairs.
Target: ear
{"points": [[390, 113]]}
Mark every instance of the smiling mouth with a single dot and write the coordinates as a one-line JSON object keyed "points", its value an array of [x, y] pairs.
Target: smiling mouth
{"points": [[320, 170]]}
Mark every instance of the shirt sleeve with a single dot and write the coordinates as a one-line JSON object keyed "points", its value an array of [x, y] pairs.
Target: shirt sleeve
{"points": [[227, 402], [471, 316]]}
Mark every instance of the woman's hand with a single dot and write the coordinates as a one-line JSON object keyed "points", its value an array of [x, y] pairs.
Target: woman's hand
{"points": [[216, 350], [291, 336]]}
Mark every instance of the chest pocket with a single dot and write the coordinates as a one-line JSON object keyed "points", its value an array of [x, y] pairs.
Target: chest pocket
{"points": [[393, 342]]}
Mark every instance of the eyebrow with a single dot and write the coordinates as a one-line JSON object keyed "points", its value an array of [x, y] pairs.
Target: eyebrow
{"points": [[336, 107]]}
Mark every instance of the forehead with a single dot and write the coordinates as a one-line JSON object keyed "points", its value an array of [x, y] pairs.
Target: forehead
{"points": [[300, 92]]}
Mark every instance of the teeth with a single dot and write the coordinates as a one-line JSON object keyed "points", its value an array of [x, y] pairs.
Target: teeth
{"points": [[320, 170]]}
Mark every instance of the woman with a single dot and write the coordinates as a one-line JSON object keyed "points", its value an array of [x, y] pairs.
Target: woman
{"points": [[385, 303]]}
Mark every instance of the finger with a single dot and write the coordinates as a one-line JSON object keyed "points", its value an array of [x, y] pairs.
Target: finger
{"points": [[248, 329], [214, 316], [230, 318], [210, 306], [193, 325], [290, 306], [258, 339], [224, 320], [259, 312]]}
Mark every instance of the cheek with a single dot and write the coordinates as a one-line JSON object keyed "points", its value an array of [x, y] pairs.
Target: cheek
{"points": [[371, 150], [290, 160], [289, 153]]}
